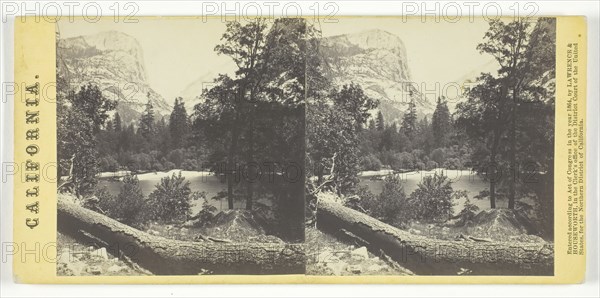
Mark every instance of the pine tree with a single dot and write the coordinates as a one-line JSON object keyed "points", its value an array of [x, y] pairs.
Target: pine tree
{"points": [[163, 136], [409, 122], [424, 138], [440, 123], [372, 125], [109, 126], [178, 124], [146, 129], [117, 122], [380, 122]]}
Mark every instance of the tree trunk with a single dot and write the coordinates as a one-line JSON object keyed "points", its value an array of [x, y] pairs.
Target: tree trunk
{"points": [[428, 256], [492, 178], [174, 257], [513, 153], [492, 193], [250, 179], [231, 171], [493, 165]]}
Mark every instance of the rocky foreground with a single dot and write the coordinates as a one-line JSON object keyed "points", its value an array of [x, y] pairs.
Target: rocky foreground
{"points": [[76, 259], [330, 256]]}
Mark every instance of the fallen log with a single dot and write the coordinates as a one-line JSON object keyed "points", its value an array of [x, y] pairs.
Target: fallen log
{"points": [[427, 256], [163, 256]]}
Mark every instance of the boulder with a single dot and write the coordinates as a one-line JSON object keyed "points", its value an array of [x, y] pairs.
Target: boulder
{"points": [[324, 256], [337, 268], [360, 253], [64, 256], [76, 267], [95, 270], [114, 268], [354, 269], [101, 253], [375, 268]]}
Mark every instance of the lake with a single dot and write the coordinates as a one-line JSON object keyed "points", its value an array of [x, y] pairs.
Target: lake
{"points": [[199, 181], [212, 185], [460, 179]]}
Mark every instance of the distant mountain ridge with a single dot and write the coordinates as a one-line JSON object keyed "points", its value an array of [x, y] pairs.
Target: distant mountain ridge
{"points": [[374, 59], [114, 61]]}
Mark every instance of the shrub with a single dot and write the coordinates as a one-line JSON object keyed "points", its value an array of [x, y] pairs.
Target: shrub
{"points": [[452, 164], [432, 200], [386, 157], [144, 161], [359, 201], [157, 166], [391, 206], [129, 205], [370, 163], [431, 165], [207, 213], [438, 156], [468, 212], [402, 161], [176, 156], [171, 200], [169, 166], [418, 154], [108, 164], [103, 202], [189, 165], [140, 162]]}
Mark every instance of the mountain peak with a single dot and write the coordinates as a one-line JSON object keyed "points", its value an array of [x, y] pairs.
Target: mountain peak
{"points": [[374, 39], [376, 60], [114, 62], [115, 41]]}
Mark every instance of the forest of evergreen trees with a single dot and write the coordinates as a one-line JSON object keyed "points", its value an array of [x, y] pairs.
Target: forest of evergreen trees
{"points": [[416, 144], [152, 144]]}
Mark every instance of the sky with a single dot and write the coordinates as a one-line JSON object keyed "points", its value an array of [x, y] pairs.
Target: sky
{"points": [[179, 51]]}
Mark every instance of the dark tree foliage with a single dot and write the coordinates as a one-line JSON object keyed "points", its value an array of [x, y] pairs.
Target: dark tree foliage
{"points": [[483, 117], [147, 125], [409, 121], [130, 205], [509, 119], [380, 121], [171, 200], [352, 100], [178, 124], [80, 117], [254, 121], [117, 125], [441, 124], [333, 134], [391, 205], [432, 200]]}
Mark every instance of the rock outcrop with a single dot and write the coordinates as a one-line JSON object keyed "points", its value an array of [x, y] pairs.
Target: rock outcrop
{"points": [[114, 62]]}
